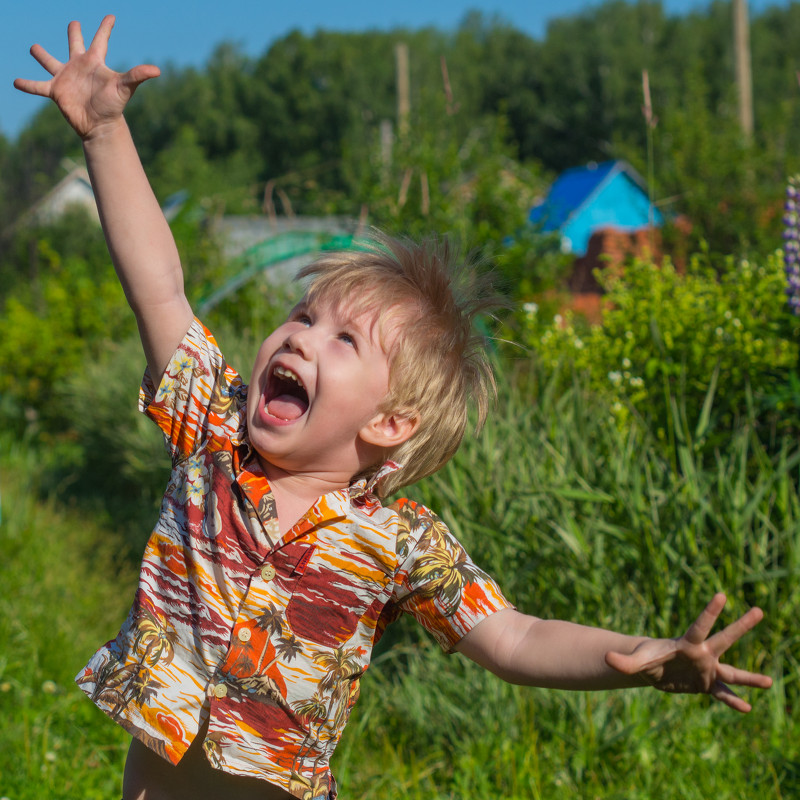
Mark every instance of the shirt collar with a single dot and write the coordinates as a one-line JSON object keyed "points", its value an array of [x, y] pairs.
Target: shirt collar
{"points": [[240, 437], [364, 490]]}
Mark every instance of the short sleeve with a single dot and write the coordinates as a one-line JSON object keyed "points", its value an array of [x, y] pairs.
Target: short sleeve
{"points": [[438, 583], [199, 396]]}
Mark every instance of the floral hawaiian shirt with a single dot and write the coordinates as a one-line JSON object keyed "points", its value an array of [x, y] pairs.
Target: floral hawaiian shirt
{"points": [[265, 637]]}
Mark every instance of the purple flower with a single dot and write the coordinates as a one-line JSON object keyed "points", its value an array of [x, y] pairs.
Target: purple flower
{"points": [[791, 246]]}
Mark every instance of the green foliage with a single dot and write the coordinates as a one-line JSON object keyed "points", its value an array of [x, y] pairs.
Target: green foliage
{"points": [[680, 348], [532, 262], [469, 188], [50, 327], [204, 264], [64, 313], [557, 489], [65, 591], [120, 466], [304, 117], [581, 520], [706, 170], [35, 162]]}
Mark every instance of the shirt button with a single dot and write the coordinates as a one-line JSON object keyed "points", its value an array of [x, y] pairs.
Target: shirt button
{"points": [[220, 690], [244, 634], [267, 572]]}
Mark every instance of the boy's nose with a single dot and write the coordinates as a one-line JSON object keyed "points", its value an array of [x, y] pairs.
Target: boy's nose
{"points": [[299, 342]]}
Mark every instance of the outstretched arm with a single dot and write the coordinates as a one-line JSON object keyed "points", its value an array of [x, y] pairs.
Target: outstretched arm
{"points": [[562, 655], [92, 98]]}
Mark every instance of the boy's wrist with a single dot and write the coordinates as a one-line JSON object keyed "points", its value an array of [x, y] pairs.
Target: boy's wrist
{"points": [[104, 131]]}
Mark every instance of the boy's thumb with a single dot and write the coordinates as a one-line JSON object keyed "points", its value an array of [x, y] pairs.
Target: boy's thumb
{"points": [[621, 663], [138, 75]]}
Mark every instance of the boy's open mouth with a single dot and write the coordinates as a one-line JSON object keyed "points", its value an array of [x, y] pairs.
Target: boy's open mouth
{"points": [[286, 397]]}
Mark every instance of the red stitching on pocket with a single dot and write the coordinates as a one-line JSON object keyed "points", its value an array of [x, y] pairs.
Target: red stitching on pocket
{"points": [[301, 565]]}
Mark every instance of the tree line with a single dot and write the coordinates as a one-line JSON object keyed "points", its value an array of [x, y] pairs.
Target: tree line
{"points": [[307, 124]]}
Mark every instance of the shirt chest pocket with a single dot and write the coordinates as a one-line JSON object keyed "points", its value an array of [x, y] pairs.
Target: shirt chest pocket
{"points": [[330, 593]]}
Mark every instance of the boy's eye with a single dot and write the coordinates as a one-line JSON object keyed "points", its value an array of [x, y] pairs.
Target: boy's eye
{"points": [[303, 319], [347, 339]]}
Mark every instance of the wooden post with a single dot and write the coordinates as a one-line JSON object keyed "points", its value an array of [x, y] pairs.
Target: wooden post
{"points": [[387, 142], [744, 77], [403, 91]]}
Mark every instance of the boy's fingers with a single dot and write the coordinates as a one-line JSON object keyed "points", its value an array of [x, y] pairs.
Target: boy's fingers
{"points": [[618, 662], [50, 63], [99, 43], [721, 641], [75, 39], [719, 691], [741, 677], [144, 72], [41, 88], [701, 627], [627, 665]]}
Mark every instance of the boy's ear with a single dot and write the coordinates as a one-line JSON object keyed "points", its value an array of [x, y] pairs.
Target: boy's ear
{"points": [[390, 429]]}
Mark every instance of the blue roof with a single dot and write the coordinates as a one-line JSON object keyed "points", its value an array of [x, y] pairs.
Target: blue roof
{"points": [[587, 199], [568, 193]]}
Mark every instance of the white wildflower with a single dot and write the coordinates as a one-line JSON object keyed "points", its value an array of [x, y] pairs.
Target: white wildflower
{"points": [[530, 309]]}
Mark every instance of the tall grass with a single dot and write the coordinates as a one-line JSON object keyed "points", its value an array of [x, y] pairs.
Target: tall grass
{"points": [[581, 520], [64, 591], [576, 518]]}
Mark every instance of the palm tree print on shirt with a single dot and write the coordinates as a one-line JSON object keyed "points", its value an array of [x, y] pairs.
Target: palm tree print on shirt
{"points": [[340, 684], [157, 639], [443, 569], [253, 674]]}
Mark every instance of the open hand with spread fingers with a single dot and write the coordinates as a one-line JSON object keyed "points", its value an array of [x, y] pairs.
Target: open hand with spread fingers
{"points": [[690, 664], [88, 93]]}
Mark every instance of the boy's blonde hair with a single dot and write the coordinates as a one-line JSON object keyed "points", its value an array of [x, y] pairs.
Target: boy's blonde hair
{"points": [[427, 304]]}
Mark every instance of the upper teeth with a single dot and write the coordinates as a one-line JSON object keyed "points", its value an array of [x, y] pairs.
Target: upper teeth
{"points": [[282, 372]]}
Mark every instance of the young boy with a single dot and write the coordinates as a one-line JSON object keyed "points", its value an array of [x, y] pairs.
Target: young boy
{"points": [[274, 567]]}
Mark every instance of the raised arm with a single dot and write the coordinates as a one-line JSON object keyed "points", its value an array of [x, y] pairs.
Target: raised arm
{"points": [[563, 655], [92, 98]]}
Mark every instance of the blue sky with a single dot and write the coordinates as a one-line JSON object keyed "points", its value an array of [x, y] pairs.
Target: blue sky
{"points": [[185, 32]]}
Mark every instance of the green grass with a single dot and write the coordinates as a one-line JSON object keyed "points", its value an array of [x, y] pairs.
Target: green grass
{"points": [[575, 517], [465, 734], [64, 592]]}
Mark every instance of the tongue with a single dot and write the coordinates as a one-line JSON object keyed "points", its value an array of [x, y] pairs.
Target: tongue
{"points": [[287, 407]]}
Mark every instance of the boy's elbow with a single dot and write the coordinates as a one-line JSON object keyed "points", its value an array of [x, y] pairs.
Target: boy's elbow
{"points": [[498, 644]]}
